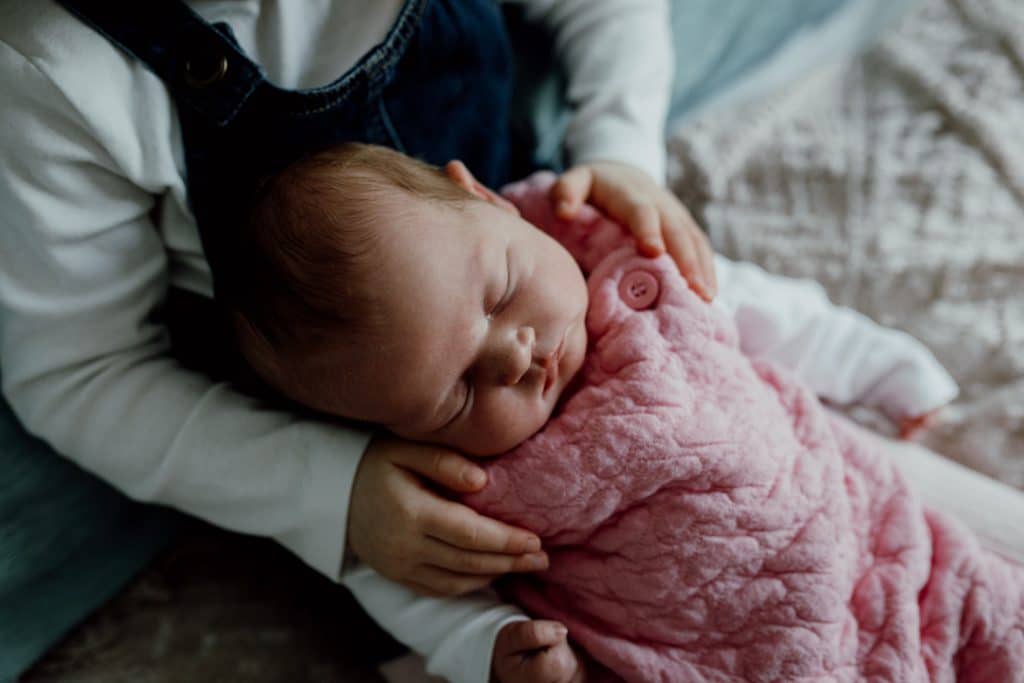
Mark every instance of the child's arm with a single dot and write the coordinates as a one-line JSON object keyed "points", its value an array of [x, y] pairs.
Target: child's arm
{"points": [[460, 638], [619, 64], [85, 164], [86, 367], [843, 355]]}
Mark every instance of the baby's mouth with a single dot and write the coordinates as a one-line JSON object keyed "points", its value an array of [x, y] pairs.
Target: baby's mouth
{"points": [[551, 366]]}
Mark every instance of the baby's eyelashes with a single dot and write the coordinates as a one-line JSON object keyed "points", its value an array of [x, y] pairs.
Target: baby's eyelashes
{"points": [[464, 392], [507, 293]]}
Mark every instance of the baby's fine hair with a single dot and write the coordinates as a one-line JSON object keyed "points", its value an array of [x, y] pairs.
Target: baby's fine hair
{"points": [[310, 242]]}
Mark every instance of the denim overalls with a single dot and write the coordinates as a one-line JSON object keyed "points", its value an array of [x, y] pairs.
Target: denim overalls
{"points": [[437, 87]]}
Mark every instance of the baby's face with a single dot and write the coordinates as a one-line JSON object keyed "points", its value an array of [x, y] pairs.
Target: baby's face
{"points": [[484, 326]]}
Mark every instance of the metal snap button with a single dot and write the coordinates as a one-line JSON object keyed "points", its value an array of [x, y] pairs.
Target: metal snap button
{"points": [[202, 71], [639, 289]]}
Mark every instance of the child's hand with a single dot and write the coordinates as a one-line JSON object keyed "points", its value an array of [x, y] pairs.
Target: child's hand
{"points": [[413, 536], [912, 426], [657, 219], [529, 651]]}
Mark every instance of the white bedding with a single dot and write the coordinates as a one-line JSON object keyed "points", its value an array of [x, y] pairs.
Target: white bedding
{"points": [[897, 181]]}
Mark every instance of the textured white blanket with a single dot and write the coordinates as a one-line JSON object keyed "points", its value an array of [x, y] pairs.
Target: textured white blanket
{"points": [[897, 181]]}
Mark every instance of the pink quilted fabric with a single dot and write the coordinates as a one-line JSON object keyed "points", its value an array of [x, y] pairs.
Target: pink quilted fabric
{"points": [[708, 519]]}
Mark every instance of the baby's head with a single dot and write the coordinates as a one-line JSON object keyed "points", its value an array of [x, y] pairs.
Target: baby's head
{"points": [[385, 290]]}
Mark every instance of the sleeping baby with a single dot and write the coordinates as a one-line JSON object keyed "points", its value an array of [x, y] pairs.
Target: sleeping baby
{"points": [[705, 515]]}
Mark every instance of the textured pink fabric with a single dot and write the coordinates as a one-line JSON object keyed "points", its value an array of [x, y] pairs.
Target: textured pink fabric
{"points": [[709, 520]]}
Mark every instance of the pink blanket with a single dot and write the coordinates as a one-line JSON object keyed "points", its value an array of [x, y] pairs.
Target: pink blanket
{"points": [[708, 519]]}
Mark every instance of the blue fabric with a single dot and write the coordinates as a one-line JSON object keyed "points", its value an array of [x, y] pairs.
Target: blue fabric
{"points": [[718, 42], [67, 543]]}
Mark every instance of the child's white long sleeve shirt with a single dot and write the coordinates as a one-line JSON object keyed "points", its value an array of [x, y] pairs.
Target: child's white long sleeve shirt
{"points": [[842, 355], [95, 226]]}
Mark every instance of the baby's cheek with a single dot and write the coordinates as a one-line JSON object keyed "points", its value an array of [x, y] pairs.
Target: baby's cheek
{"points": [[502, 423]]}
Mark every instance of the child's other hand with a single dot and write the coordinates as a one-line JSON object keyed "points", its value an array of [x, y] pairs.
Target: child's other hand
{"points": [[911, 427], [529, 651], [655, 216], [412, 535]]}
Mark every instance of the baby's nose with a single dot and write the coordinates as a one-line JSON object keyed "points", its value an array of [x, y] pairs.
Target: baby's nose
{"points": [[516, 355]]}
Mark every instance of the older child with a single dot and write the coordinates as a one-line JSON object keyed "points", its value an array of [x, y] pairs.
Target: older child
{"points": [[132, 135], [701, 510]]}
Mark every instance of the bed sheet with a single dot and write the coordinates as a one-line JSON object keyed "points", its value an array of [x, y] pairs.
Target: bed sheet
{"points": [[897, 181]]}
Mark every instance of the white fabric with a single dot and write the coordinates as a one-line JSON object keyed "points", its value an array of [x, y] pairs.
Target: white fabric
{"points": [[989, 508], [621, 62], [94, 227], [896, 181], [842, 355]]}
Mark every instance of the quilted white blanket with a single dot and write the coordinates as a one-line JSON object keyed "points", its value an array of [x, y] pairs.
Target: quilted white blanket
{"points": [[897, 181]]}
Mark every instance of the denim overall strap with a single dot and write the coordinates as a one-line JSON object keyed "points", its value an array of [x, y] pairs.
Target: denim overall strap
{"points": [[153, 31], [437, 87]]}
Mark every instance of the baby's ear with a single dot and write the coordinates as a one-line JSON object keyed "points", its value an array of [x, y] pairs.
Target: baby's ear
{"points": [[461, 176]]}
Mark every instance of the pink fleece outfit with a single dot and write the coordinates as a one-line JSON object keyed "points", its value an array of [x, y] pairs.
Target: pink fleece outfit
{"points": [[707, 519]]}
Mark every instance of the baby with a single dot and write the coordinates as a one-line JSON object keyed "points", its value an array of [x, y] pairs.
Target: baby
{"points": [[705, 516]]}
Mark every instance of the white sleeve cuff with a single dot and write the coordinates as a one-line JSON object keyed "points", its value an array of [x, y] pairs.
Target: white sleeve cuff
{"points": [[915, 387], [454, 635], [467, 655], [318, 537], [841, 354]]}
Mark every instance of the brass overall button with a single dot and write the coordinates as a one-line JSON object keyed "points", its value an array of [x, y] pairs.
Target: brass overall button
{"points": [[202, 71]]}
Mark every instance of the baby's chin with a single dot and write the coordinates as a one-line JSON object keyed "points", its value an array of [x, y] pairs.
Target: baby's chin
{"points": [[504, 438], [568, 383]]}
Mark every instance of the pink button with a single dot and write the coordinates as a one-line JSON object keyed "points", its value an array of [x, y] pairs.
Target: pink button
{"points": [[639, 289]]}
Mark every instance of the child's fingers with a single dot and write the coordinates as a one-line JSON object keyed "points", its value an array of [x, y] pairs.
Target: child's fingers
{"points": [[447, 468], [701, 244], [556, 665], [691, 250], [464, 528], [570, 191], [682, 249], [462, 561], [641, 218], [535, 635], [706, 258], [644, 222]]}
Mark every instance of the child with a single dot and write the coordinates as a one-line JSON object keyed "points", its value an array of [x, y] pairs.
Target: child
{"points": [[703, 514], [131, 134]]}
